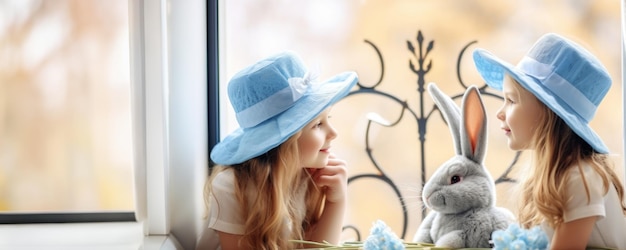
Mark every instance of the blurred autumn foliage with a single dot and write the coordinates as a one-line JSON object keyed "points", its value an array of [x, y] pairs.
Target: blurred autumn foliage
{"points": [[334, 36], [65, 131]]}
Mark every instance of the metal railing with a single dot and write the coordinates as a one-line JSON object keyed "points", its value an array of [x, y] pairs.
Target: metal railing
{"points": [[421, 65]]}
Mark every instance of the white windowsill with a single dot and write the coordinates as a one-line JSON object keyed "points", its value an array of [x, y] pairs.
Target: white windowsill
{"points": [[90, 236]]}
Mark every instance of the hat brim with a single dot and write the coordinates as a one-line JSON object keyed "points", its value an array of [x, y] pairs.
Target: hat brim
{"points": [[493, 70], [246, 143]]}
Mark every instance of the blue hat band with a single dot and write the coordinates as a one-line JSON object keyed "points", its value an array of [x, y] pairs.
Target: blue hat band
{"points": [[559, 86], [274, 104]]}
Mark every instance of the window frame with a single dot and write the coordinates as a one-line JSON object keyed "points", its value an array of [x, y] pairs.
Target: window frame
{"points": [[154, 223]]}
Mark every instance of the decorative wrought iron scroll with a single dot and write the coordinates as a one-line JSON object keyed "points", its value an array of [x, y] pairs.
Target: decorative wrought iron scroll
{"points": [[421, 67]]}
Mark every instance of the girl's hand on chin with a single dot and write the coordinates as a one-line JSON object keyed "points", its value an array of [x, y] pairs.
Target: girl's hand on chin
{"points": [[332, 179]]}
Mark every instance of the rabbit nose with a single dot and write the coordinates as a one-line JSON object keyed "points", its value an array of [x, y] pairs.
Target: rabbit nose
{"points": [[426, 200]]}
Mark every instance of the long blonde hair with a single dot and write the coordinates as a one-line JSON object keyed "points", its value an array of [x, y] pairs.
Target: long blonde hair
{"points": [[277, 182], [557, 148]]}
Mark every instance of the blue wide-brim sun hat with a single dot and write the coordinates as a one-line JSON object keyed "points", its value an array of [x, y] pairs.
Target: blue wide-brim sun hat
{"points": [[273, 99], [560, 73]]}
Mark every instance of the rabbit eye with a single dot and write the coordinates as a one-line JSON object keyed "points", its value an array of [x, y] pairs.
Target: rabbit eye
{"points": [[455, 179]]}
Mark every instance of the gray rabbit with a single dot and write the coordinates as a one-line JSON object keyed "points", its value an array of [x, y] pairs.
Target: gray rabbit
{"points": [[461, 192]]}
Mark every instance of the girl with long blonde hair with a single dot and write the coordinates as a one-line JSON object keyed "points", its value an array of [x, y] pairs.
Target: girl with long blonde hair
{"points": [[276, 179], [550, 96]]}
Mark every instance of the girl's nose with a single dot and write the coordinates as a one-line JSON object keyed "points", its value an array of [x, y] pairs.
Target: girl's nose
{"points": [[500, 114], [332, 133]]}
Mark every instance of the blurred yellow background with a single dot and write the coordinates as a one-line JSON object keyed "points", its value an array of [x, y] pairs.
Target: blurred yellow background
{"points": [[65, 131], [330, 36]]}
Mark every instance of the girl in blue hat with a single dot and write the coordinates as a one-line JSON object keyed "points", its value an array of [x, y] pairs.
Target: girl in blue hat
{"points": [[550, 97], [277, 179]]}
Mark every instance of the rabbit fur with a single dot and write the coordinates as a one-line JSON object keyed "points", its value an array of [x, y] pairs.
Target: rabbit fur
{"points": [[461, 193]]}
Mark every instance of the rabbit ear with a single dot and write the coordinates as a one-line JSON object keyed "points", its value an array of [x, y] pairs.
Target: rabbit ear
{"points": [[474, 130], [451, 113]]}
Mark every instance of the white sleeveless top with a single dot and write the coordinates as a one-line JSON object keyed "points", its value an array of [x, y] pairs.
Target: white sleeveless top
{"points": [[225, 210], [609, 230]]}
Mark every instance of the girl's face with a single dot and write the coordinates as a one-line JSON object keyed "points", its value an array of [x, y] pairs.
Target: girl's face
{"points": [[314, 141], [520, 115]]}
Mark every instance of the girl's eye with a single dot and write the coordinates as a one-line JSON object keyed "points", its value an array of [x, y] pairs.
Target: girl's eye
{"points": [[509, 100], [455, 179], [319, 124]]}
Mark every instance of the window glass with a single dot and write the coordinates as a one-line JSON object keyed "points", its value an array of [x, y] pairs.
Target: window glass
{"points": [[65, 122], [382, 41]]}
